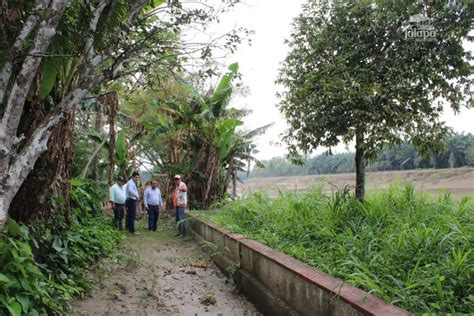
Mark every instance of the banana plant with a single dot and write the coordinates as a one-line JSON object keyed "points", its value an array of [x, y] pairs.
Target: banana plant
{"points": [[122, 156], [197, 135]]}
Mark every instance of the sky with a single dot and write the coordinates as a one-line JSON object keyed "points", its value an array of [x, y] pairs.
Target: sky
{"points": [[259, 64]]}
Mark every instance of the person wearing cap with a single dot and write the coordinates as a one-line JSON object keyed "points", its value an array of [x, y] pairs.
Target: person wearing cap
{"points": [[117, 197], [132, 201], [180, 201], [153, 203]]}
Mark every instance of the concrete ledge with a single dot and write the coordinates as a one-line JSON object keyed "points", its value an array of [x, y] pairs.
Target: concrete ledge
{"points": [[262, 298], [281, 285]]}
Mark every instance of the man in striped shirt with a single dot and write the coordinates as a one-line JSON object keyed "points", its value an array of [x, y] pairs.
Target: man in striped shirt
{"points": [[153, 203], [132, 201]]}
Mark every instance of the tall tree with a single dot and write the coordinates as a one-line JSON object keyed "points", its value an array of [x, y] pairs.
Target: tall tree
{"points": [[353, 72], [56, 53]]}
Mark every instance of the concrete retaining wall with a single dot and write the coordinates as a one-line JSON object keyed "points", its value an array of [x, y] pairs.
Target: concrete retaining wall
{"points": [[281, 285]]}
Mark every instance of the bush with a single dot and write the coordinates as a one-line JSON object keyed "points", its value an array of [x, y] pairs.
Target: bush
{"points": [[412, 250], [44, 266]]}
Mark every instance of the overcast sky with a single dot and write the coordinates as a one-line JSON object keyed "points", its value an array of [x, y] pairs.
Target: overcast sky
{"points": [[259, 64]]}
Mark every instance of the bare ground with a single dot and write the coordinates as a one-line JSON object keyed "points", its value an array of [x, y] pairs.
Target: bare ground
{"points": [[159, 274], [458, 181]]}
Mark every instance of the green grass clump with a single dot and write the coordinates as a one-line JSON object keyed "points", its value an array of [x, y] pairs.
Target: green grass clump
{"points": [[412, 250]]}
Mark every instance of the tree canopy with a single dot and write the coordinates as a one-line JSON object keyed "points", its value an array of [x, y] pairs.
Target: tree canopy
{"points": [[353, 74]]}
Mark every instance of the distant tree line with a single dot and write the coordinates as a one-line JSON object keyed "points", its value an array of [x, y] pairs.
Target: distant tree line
{"points": [[458, 152]]}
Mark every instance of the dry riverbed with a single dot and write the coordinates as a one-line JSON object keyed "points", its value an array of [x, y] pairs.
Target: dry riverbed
{"points": [[159, 274]]}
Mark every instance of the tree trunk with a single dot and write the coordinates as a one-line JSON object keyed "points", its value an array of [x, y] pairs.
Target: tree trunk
{"points": [[435, 162], [452, 160], [113, 106], [49, 178], [99, 124], [360, 166], [234, 182]]}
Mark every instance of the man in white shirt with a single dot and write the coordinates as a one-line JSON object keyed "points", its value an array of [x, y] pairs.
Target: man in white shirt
{"points": [[153, 202], [117, 197]]}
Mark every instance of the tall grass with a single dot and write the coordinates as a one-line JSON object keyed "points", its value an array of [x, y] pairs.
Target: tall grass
{"points": [[412, 250]]}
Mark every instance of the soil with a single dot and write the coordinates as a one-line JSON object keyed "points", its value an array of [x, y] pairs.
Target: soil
{"points": [[458, 181], [156, 273]]}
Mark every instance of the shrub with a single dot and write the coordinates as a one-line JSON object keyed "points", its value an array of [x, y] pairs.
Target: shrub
{"points": [[44, 266]]}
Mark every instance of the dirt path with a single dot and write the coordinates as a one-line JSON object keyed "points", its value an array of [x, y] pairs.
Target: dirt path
{"points": [[159, 274]]}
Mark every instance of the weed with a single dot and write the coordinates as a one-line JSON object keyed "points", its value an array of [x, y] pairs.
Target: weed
{"points": [[132, 260]]}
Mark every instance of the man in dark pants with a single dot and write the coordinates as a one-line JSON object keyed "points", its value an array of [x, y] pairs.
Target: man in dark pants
{"points": [[117, 198], [132, 201], [153, 203], [180, 201]]}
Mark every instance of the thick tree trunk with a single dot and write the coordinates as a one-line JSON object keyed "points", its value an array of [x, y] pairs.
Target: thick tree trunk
{"points": [[49, 178], [14, 98], [360, 167]]}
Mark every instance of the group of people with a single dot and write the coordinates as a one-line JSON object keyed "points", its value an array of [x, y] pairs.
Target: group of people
{"points": [[125, 196]]}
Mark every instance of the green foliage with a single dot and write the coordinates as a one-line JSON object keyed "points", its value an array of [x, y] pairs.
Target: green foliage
{"points": [[87, 196], [49, 74], [44, 266], [412, 250], [22, 289], [121, 154]]}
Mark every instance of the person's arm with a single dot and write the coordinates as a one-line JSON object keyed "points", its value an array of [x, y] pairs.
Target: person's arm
{"points": [[112, 196], [183, 188], [135, 191], [132, 189], [127, 190]]}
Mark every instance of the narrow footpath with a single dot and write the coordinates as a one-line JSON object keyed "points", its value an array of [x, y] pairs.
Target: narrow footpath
{"points": [[159, 274]]}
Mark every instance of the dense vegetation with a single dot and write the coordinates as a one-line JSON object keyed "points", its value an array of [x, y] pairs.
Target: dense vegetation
{"points": [[90, 90], [412, 250], [93, 89], [459, 152], [44, 266]]}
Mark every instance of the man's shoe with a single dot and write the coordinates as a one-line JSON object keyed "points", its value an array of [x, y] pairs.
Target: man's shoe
{"points": [[136, 234], [177, 235]]}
